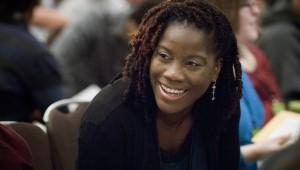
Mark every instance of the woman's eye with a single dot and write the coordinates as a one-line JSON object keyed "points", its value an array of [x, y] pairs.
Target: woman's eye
{"points": [[193, 64], [163, 56]]}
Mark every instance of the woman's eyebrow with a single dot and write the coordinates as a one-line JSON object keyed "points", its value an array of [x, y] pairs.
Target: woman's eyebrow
{"points": [[197, 56], [162, 47], [159, 46]]}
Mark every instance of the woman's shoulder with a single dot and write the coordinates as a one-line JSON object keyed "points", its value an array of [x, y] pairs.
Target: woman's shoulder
{"points": [[109, 102], [110, 116]]}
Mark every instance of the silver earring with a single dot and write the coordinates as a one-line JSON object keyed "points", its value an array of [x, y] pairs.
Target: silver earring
{"points": [[214, 86]]}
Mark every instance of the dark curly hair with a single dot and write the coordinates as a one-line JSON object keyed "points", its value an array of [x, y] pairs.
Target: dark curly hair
{"points": [[207, 18]]}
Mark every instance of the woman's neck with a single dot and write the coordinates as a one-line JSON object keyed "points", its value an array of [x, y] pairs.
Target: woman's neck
{"points": [[173, 120], [247, 59], [173, 130]]}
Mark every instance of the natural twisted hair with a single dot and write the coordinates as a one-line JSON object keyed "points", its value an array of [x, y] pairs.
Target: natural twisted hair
{"points": [[223, 43]]}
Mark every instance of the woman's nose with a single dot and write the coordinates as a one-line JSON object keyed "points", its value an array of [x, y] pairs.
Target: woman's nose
{"points": [[174, 72]]}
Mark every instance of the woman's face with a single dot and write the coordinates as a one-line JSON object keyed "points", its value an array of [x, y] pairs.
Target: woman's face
{"points": [[181, 68], [248, 21]]}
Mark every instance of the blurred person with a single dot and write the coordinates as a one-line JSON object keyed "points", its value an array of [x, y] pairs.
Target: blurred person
{"points": [[176, 105], [46, 21], [48, 18], [74, 10], [15, 152], [243, 16], [281, 43], [252, 110], [29, 76], [253, 60], [255, 65], [92, 47], [252, 117]]}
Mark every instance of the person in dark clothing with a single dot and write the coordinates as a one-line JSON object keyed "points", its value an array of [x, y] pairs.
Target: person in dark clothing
{"points": [[91, 49], [242, 15], [280, 40], [176, 104], [29, 76], [15, 152]]}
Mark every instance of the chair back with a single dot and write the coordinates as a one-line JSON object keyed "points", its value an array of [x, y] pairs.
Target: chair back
{"points": [[38, 142], [62, 120]]}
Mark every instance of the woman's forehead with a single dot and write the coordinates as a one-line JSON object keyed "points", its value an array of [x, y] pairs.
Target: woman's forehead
{"points": [[184, 30], [188, 34]]}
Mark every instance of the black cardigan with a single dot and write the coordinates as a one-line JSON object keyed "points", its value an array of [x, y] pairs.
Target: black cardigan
{"points": [[115, 137]]}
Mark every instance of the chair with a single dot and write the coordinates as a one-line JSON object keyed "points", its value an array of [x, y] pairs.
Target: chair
{"points": [[37, 140], [62, 120]]}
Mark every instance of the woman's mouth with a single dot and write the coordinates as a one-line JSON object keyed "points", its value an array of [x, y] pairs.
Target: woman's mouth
{"points": [[172, 93]]}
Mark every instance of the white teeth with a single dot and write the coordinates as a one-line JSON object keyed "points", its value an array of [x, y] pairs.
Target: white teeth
{"points": [[172, 91]]}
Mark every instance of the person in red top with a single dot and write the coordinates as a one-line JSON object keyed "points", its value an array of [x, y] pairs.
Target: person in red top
{"points": [[15, 153], [264, 82], [253, 60]]}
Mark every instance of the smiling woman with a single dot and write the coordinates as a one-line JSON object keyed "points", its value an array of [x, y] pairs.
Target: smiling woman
{"points": [[176, 105], [182, 69]]}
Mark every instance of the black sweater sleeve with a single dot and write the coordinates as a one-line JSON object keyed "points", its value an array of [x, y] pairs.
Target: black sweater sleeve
{"points": [[100, 147], [102, 137]]}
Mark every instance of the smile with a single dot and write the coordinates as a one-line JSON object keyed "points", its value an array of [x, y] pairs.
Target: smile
{"points": [[172, 91]]}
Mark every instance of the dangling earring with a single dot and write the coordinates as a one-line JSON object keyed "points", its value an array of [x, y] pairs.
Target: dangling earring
{"points": [[214, 86]]}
